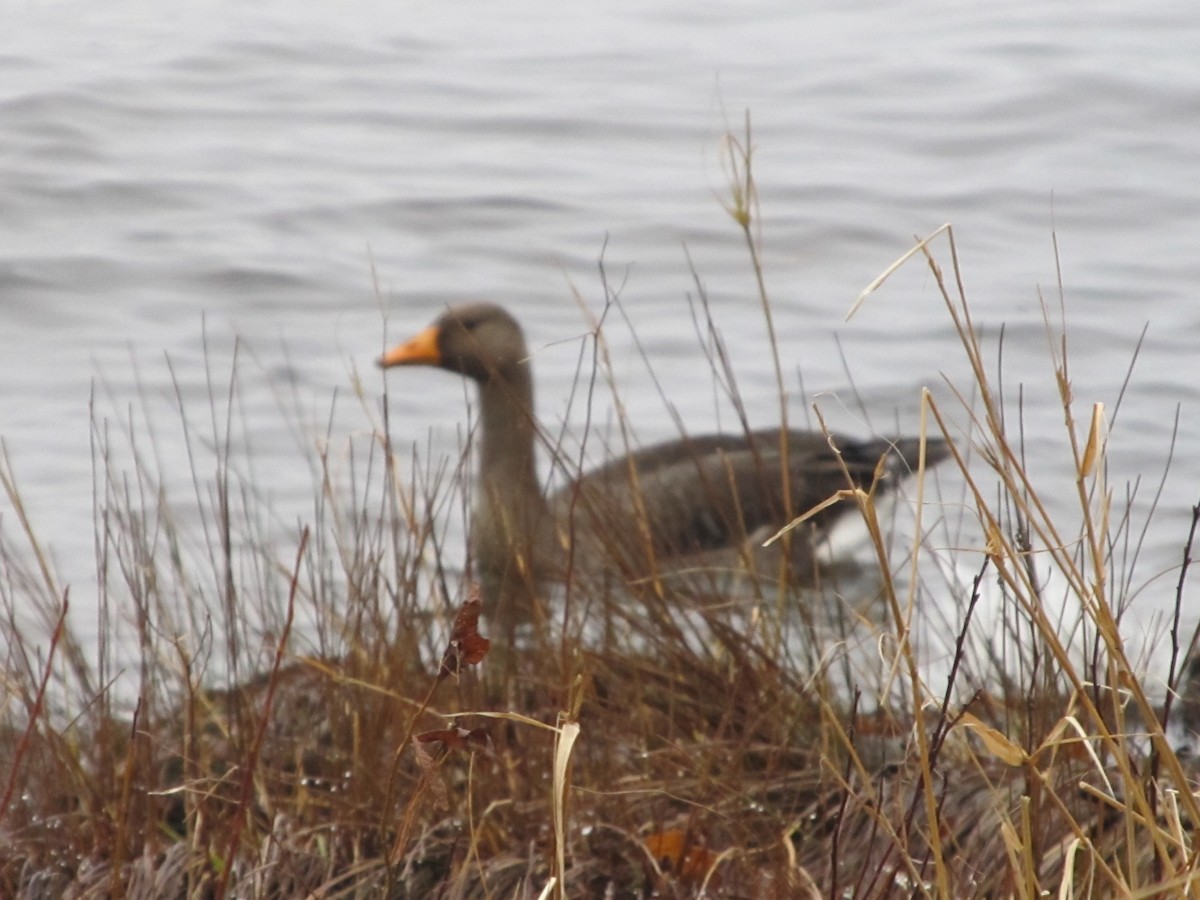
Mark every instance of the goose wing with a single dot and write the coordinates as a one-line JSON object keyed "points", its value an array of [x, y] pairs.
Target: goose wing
{"points": [[699, 494]]}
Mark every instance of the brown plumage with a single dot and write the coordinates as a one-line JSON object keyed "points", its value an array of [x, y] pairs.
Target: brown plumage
{"points": [[693, 502]]}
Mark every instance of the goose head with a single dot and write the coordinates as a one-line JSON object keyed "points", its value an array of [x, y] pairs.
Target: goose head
{"points": [[480, 341]]}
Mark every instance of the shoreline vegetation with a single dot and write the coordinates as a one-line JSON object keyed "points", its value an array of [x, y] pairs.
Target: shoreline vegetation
{"points": [[327, 717]]}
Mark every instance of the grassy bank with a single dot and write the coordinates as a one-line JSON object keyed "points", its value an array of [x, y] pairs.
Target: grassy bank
{"points": [[305, 711]]}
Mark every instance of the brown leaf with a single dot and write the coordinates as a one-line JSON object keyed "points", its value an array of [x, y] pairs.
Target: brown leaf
{"points": [[449, 737], [477, 740], [467, 646], [429, 775], [677, 852]]}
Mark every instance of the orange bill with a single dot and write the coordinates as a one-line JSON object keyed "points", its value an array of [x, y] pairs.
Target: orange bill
{"points": [[422, 350]]}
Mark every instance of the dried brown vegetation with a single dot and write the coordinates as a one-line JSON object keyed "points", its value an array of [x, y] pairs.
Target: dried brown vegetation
{"points": [[368, 742]]}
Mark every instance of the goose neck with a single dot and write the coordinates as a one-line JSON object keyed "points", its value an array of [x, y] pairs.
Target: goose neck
{"points": [[507, 456]]}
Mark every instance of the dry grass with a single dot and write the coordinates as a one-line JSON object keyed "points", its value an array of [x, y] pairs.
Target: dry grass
{"points": [[740, 748]]}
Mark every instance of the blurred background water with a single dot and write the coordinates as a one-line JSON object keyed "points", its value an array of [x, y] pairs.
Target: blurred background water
{"points": [[312, 181]]}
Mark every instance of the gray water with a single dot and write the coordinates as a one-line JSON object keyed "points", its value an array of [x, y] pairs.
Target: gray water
{"points": [[315, 181]]}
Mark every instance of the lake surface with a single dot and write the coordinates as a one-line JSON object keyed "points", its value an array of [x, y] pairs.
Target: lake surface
{"points": [[311, 182]]}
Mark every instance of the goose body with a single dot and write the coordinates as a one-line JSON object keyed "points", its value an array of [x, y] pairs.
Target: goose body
{"points": [[684, 503]]}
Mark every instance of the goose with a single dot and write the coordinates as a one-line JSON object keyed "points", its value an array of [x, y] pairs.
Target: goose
{"points": [[686, 503]]}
